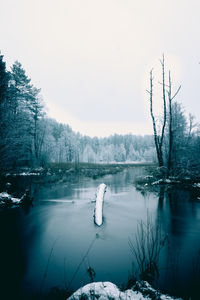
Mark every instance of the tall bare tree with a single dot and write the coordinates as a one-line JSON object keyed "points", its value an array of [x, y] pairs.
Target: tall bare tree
{"points": [[158, 139]]}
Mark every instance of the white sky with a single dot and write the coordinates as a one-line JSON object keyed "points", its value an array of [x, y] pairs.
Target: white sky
{"points": [[91, 58]]}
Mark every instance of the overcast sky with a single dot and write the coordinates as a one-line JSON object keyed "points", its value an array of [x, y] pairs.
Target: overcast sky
{"points": [[91, 58]]}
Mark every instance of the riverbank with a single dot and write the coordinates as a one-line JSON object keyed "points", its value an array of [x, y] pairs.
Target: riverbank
{"points": [[156, 177], [56, 172], [86, 169]]}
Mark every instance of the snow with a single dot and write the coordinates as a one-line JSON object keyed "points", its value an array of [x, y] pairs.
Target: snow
{"points": [[157, 182], [27, 174], [107, 290], [148, 177], [4, 195], [99, 204], [24, 174], [147, 291], [167, 181], [161, 181], [197, 185], [15, 200], [6, 198]]}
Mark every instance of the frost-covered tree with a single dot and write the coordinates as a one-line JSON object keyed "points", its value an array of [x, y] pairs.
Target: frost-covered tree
{"points": [[89, 154], [133, 154]]}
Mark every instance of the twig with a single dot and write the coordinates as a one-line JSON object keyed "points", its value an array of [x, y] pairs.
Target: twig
{"points": [[176, 92], [47, 266], [82, 260]]}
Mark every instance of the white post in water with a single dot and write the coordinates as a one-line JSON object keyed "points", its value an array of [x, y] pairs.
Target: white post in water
{"points": [[99, 204]]}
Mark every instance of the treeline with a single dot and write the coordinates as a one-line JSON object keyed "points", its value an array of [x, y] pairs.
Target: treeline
{"points": [[29, 138], [63, 145]]}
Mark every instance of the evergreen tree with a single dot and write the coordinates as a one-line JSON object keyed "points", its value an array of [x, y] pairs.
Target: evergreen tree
{"points": [[26, 111]]}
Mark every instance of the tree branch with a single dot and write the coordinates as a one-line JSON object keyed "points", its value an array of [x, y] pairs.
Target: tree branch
{"points": [[176, 93]]}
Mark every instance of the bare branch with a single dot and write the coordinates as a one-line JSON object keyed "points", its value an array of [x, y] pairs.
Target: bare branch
{"points": [[176, 92], [163, 60], [162, 83]]}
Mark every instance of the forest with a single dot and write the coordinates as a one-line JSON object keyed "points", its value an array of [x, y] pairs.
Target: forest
{"points": [[29, 138]]}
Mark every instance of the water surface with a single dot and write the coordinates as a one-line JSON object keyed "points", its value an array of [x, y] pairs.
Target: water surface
{"points": [[55, 242]]}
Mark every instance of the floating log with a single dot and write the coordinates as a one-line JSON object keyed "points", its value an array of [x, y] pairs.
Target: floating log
{"points": [[98, 212]]}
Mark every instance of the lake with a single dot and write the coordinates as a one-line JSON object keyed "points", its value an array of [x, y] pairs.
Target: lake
{"points": [[56, 241]]}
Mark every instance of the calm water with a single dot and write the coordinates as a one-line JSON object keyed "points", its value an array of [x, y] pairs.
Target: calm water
{"points": [[55, 242]]}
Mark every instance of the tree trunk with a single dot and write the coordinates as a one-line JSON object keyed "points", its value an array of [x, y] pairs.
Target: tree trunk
{"points": [[164, 107], [158, 143], [169, 163]]}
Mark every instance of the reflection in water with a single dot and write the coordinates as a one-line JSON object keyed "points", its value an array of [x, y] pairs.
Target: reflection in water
{"points": [[12, 256], [180, 216], [161, 197], [63, 212]]}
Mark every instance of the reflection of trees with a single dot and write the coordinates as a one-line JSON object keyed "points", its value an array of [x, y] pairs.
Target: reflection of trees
{"points": [[161, 197], [128, 176], [179, 214], [178, 211], [12, 255], [146, 249]]}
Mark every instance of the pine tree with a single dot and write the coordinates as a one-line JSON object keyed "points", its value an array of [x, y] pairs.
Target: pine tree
{"points": [[26, 107]]}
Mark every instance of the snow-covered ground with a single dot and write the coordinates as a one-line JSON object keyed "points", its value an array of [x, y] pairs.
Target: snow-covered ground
{"points": [[7, 200], [196, 185], [5, 197], [107, 291]]}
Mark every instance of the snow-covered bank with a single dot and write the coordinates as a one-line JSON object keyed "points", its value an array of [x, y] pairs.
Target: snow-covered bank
{"points": [[6, 200], [98, 212], [155, 176], [107, 290]]}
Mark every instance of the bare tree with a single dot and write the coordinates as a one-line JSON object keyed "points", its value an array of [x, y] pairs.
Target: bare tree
{"points": [[158, 139]]}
